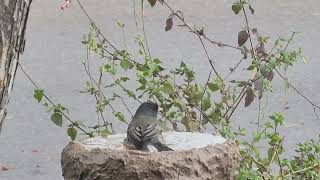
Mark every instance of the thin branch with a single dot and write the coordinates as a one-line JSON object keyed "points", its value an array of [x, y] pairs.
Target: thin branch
{"points": [[300, 93], [236, 101], [52, 103], [204, 91], [233, 109], [248, 30], [87, 69], [210, 61], [198, 35], [125, 105], [94, 25], [135, 16], [233, 68], [302, 170], [143, 28], [220, 44]]}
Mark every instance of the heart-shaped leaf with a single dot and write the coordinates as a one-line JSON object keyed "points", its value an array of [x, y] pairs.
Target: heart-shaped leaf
{"points": [[38, 94], [72, 133], [213, 87], [152, 2], [249, 97], [270, 75], [169, 24], [242, 37], [56, 118], [237, 7]]}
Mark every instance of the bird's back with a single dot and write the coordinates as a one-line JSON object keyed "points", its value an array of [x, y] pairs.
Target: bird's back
{"points": [[142, 130]]}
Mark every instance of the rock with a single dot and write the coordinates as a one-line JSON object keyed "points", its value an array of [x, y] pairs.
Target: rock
{"points": [[196, 156]]}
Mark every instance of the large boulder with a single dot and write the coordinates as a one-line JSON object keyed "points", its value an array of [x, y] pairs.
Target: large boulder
{"points": [[196, 156]]}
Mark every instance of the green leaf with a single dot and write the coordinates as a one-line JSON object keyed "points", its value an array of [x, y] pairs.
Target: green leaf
{"points": [[130, 93], [120, 117], [237, 7], [153, 67], [59, 107], [168, 88], [152, 2], [38, 94], [268, 125], [277, 118], [106, 132], [271, 153], [206, 103], [120, 24], [179, 104], [72, 133], [213, 87], [56, 118], [157, 61], [256, 137], [106, 68], [251, 67], [124, 79], [125, 64]]}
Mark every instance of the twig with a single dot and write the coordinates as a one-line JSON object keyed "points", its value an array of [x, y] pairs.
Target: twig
{"points": [[143, 28], [302, 170], [52, 103], [95, 26], [233, 69], [204, 91], [293, 87], [210, 61], [280, 165], [237, 104], [91, 80], [236, 101], [220, 44], [126, 106], [104, 97], [135, 16], [248, 30], [259, 112], [198, 35]]}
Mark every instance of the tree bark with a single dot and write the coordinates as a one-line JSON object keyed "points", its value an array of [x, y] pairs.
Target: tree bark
{"points": [[13, 21]]}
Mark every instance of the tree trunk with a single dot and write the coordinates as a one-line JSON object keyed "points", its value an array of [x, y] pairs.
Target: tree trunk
{"points": [[13, 21]]}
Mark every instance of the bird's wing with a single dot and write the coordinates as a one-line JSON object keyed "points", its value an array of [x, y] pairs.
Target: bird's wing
{"points": [[143, 132]]}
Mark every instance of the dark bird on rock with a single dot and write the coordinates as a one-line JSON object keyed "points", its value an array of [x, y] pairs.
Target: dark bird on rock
{"points": [[144, 128]]}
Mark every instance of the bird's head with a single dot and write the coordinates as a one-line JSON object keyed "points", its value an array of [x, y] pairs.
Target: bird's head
{"points": [[148, 108]]}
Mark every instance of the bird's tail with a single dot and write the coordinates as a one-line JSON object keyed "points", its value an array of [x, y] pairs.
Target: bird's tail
{"points": [[161, 147]]}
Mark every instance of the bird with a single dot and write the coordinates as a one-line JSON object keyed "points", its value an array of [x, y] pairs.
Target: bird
{"points": [[144, 128]]}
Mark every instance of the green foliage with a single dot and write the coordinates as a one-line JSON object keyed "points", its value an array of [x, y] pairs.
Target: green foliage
{"points": [[190, 105], [72, 133], [258, 165], [56, 118], [38, 94], [237, 6]]}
